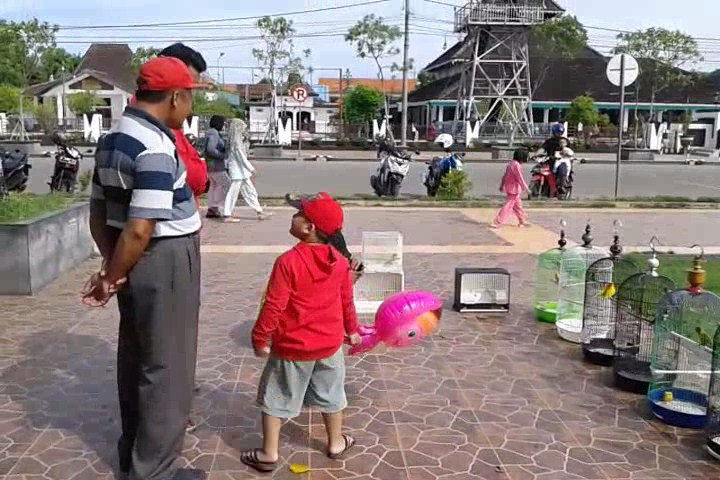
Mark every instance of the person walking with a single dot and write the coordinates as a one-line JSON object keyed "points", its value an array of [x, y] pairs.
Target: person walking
{"points": [[241, 173], [215, 152], [513, 184], [145, 222]]}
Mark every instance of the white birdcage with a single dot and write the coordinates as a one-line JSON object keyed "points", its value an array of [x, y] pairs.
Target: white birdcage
{"points": [[382, 251], [383, 276]]}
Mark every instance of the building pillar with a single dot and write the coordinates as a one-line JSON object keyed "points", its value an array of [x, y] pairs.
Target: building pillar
{"points": [[441, 111], [626, 121], [546, 116], [59, 109]]}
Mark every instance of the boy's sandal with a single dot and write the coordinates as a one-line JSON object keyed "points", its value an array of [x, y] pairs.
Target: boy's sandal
{"points": [[349, 443], [250, 458]]}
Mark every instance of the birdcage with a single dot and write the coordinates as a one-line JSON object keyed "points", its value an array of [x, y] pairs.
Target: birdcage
{"points": [[637, 302], [547, 280], [682, 352], [482, 290], [602, 280], [713, 424], [382, 256], [573, 269]]}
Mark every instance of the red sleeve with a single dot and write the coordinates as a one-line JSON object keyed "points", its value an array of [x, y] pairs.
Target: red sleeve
{"points": [[348, 303], [276, 300], [196, 168]]}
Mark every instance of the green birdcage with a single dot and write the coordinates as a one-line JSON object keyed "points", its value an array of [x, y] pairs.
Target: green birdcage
{"points": [[637, 301], [712, 431], [682, 352], [573, 269], [547, 279], [602, 280]]}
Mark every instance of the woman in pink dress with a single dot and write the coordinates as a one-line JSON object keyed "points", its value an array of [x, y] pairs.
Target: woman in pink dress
{"points": [[513, 185]]}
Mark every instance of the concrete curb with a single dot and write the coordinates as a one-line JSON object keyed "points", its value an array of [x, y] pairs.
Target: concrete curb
{"points": [[481, 161], [497, 203]]}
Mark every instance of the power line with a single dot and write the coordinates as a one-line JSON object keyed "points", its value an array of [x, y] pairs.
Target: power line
{"points": [[198, 22], [444, 3]]}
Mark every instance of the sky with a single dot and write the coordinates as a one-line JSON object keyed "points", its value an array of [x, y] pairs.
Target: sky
{"points": [[430, 27]]}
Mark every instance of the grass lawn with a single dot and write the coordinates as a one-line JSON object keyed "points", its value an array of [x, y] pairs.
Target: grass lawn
{"points": [[676, 266], [25, 206]]}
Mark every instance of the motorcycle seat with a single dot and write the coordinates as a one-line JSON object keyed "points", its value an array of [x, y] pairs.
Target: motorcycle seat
{"points": [[11, 161]]}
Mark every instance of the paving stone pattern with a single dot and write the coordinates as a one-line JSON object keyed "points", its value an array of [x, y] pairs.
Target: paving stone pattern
{"points": [[438, 228], [489, 397], [672, 228]]}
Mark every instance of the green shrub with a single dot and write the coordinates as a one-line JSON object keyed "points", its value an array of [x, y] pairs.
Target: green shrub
{"points": [[84, 180], [456, 185]]}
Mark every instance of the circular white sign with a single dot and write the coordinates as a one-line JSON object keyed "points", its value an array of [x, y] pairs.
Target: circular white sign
{"points": [[299, 93], [632, 70]]}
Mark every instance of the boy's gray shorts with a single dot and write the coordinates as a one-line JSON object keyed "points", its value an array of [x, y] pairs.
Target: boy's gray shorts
{"points": [[285, 386]]}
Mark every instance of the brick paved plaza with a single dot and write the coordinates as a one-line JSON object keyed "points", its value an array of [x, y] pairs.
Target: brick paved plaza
{"points": [[489, 397]]}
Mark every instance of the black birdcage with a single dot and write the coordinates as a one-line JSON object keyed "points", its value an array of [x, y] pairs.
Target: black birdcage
{"points": [[713, 424], [602, 281], [682, 352], [636, 306]]}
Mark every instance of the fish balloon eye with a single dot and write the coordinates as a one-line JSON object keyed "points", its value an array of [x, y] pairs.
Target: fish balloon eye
{"points": [[412, 334]]}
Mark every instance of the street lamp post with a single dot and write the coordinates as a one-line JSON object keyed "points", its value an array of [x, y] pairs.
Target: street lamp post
{"points": [[222, 54]]}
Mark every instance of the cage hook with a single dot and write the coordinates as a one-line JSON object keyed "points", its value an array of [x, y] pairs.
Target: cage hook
{"points": [[702, 251], [654, 240]]}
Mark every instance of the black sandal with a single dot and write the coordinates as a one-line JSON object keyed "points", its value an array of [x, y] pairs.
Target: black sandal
{"points": [[250, 458], [349, 443]]}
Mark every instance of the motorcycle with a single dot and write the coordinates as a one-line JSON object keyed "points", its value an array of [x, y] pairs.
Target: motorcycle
{"points": [[550, 184], [14, 172], [393, 167], [438, 167], [67, 166]]}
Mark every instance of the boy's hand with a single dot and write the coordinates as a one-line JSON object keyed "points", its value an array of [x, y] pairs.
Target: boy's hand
{"points": [[263, 352], [355, 339]]}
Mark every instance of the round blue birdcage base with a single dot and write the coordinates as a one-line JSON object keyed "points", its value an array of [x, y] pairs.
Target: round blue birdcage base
{"points": [[688, 408]]}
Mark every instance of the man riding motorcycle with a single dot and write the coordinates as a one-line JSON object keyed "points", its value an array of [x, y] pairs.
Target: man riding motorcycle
{"points": [[551, 148]]}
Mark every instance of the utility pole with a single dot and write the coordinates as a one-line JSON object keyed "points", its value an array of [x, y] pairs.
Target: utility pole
{"points": [[406, 48]]}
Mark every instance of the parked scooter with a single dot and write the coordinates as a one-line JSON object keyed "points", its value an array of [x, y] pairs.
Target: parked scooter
{"points": [[393, 167], [14, 172], [67, 165], [438, 167]]}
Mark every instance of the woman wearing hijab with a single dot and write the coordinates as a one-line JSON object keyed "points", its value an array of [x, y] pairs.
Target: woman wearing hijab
{"points": [[241, 172]]}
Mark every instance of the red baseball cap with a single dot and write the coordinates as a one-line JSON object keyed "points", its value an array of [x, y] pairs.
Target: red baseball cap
{"points": [[161, 74], [321, 210]]}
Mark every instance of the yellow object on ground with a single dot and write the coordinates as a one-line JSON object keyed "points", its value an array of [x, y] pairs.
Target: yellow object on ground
{"points": [[298, 468]]}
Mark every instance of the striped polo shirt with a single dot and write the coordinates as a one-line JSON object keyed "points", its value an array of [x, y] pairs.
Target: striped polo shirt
{"points": [[138, 175]]}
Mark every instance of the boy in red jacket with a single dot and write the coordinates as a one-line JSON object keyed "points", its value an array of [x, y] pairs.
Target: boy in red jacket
{"points": [[307, 315]]}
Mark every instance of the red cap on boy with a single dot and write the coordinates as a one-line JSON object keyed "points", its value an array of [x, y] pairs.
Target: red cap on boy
{"points": [[322, 211]]}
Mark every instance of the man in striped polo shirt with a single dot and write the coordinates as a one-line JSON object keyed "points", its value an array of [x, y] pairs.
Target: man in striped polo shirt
{"points": [[145, 223]]}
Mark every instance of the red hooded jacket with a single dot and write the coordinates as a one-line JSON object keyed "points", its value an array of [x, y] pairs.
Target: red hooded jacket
{"points": [[309, 306]]}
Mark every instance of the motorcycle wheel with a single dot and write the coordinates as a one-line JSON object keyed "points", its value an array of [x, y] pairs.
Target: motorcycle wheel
{"points": [[375, 186], [394, 182], [67, 185], [535, 189], [546, 190]]}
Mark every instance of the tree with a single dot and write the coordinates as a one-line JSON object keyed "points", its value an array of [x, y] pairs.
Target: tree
{"points": [[9, 99], [374, 39], [361, 105], [46, 116], [663, 54], [142, 55], [557, 39], [277, 36], [54, 60], [217, 106], [583, 110], [22, 47], [83, 103], [424, 78]]}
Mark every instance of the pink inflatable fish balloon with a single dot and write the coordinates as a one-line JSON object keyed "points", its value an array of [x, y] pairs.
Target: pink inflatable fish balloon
{"points": [[402, 320]]}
